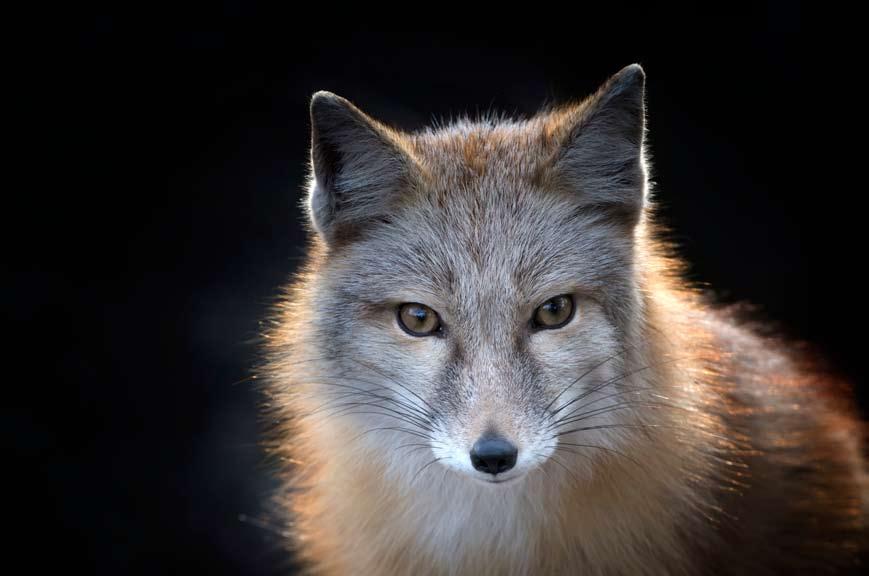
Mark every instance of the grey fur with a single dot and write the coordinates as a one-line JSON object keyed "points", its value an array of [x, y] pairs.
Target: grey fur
{"points": [[649, 428]]}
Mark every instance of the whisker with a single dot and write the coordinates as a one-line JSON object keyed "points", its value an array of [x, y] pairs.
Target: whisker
{"points": [[400, 418], [395, 380], [417, 446], [613, 408], [337, 409], [373, 369], [418, 472], [615, 379], [412, 450], [697, 430], [394, 429], [378, 386], [632, 390], [542, 466], [364, 393], [586, 373], [605, 449], [568, 470]]}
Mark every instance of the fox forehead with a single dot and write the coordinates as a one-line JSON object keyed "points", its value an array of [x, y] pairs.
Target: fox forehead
{"points": [[504, 151], [489, 241]]}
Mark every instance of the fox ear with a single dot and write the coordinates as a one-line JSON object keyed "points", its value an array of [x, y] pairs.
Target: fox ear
{"points": [[601, 158], [358, 167]]}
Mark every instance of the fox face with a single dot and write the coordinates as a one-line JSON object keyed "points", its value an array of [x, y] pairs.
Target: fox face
{"points": [[476, 298]]}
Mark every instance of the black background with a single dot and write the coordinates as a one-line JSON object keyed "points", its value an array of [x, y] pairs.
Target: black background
{"points": [[179, 141]]}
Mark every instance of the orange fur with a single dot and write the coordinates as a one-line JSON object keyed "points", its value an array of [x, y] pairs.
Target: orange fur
{"points": [[753, 464]]}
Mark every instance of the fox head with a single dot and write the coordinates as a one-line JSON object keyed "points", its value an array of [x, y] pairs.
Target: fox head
{"points": [[475, 305]]}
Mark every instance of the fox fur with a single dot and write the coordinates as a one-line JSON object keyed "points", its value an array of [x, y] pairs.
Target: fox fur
{"points": [[657, 433]]}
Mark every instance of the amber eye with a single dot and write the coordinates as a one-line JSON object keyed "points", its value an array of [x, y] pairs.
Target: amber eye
{"points": [[554, 313], [418, 319]]}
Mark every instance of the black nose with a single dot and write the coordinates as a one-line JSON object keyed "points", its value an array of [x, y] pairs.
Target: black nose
{"points": [[493, 455]]}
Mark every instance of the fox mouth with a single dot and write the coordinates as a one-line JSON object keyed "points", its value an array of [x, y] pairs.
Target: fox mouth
{"points": [[510, 480]]}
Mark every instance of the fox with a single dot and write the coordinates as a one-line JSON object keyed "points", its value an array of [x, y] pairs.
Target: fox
{"points": [[492, 362]]}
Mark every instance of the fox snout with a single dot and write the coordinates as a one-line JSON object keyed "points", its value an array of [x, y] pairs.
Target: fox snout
{"points": [[493, 438]]}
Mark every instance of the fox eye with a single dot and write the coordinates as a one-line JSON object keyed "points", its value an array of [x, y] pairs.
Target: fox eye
{"points": [[418, 319], [554, 313]]}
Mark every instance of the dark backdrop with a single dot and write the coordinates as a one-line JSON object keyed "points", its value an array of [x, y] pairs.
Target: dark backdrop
{"points": [[183, 141]]}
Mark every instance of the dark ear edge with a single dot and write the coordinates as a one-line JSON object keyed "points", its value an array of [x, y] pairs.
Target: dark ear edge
{"points": [[357, 166], [335, 123], [602, 157]]}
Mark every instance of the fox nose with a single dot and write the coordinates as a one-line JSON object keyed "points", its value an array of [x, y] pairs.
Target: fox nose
{"points": [[493, 455]]}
